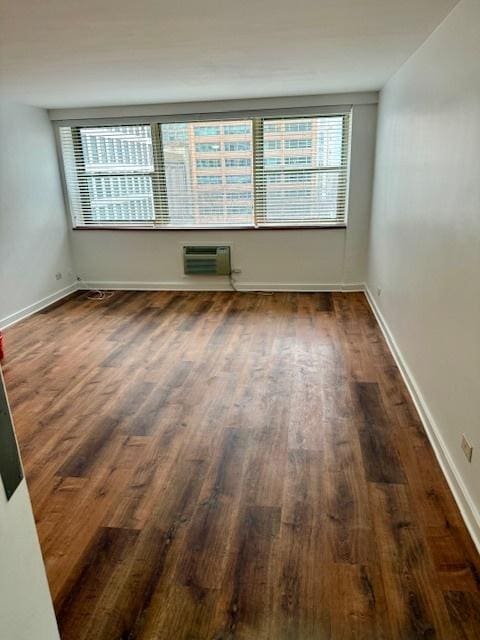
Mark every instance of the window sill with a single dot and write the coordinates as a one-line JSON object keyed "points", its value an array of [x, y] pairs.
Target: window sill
{"points": [[226, 228]]}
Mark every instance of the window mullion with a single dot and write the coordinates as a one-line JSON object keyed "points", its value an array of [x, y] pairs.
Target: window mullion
{"points": [[258, 172], [159, 181]]}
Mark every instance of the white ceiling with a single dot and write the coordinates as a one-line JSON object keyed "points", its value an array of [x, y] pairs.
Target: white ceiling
{"points": [[62, 53]]}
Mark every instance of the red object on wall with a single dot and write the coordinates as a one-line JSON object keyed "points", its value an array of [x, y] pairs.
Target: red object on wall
{"points": [[1, 346]]}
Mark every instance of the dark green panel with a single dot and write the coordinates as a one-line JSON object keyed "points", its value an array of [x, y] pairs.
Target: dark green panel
{"points": [[10, 466]]}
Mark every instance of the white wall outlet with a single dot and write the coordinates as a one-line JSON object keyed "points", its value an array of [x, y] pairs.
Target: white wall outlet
{"points": [[467, 448], [58, 276], [379, 292]]}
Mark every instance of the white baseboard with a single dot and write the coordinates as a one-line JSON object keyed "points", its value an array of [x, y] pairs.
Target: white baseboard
{"points": [[457, 486], [7, 321], [222, 285]]}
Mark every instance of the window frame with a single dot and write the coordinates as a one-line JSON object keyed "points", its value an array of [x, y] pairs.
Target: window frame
{"points": [[157, 176], [159, 202], [263, 167]]}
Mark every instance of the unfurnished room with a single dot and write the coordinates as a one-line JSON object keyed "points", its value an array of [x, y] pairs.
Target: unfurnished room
{"points": [[240, 320]]}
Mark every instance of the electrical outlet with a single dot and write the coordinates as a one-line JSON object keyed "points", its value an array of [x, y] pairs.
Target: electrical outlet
{"points": [[379, 292], [58, 276], [467, 448]]}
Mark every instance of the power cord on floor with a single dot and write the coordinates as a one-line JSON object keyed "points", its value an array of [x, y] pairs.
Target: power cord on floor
{"points": [[234, 287], [95, 294], [232, 282]]}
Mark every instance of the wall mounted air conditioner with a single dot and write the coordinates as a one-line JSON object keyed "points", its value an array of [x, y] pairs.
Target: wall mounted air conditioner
{"points": [[213, 260]]}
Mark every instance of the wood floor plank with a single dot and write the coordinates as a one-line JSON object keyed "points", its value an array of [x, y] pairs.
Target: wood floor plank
{"points": [[380, 456], [464, 609], [223, 466], [85, 611], [415, 601]]}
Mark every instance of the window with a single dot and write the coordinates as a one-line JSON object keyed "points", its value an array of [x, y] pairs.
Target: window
{"points": [[295, 160], [302, 143], [236, 129], [238, 211], [111, 181], [160, 175], [178, 132], [209, 196], [273, 144], [272, 160], [207, 131], [271, 127], [209, 179], [301, 125], [200, 201], [207, 147], [322, 175], [211, 211], [239, 179], [237, 146], [208, 163], [238, 162], [238, 195]]}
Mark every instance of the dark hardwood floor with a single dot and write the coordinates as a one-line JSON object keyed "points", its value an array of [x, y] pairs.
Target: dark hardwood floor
{"points": [[213, 466]]}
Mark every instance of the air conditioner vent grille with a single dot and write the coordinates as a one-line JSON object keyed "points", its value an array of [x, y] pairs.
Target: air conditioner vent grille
{"points": [[206, 260]]}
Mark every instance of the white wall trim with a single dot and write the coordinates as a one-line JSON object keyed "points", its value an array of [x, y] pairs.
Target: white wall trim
{"points": [[222, 284], [460, 492], [13, 318]]}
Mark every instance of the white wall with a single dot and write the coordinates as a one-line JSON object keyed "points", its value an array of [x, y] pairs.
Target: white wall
{"points": [[275, 258], [34, 243], [425, 234], [26, 611]]}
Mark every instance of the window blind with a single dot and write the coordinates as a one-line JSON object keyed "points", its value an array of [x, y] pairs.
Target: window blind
{"points": [[301, 170], [204, 166], [251, 172]]}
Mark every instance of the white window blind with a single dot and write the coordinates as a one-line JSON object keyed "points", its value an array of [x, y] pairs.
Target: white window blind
{"points": [[301, 170], [200, 175], [252, 172]]}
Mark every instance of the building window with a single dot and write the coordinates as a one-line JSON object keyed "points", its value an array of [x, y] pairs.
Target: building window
{"points": [[300, 125], [272, 127], [298, 160], [210, 196], [270, 161], [238, 211], [271, 145], [239, 179], [207, 131], [210, 211], [209, 163], [209, 179], [207, 147], [158, 176], [238, 162], [236, 129], [238, 195], [237, 146], [302, 143], [178, 132]]}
